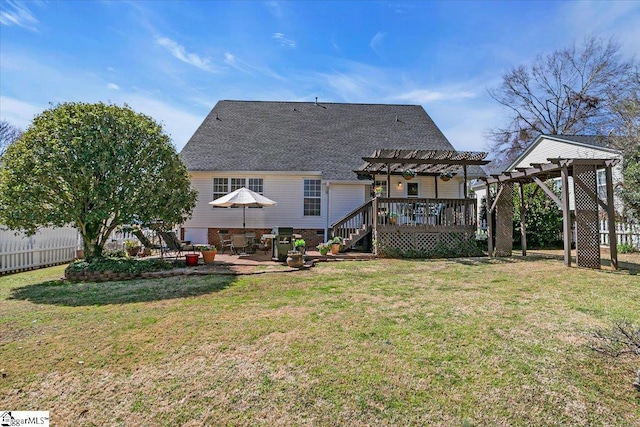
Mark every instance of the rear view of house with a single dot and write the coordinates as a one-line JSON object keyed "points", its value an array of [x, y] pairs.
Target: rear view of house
{"points": [[307, 156]]}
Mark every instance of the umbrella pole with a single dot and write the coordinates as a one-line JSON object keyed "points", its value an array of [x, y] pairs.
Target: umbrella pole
{"points": [[244, 229]]}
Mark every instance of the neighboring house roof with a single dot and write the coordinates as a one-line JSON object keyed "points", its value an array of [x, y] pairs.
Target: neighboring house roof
{"points": [[599, 142], [330, 138]]}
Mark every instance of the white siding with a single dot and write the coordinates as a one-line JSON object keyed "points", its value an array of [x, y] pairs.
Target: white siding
{"points": [[286, 189], [451, 189], [549, 149], [343, 198]]}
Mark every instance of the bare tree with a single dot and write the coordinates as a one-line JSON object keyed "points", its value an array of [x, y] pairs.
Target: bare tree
{"points": [[564, 92], [623, 338], [8, 134], [625, 125]]}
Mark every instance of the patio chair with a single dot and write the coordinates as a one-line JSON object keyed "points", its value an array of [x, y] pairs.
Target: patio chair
{"points": [[174, 244], [225, 242], [145, 240], [239, 241]]}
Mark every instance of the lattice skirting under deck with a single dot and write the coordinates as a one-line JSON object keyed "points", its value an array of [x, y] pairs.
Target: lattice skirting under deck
{"points": [[400, 242]]}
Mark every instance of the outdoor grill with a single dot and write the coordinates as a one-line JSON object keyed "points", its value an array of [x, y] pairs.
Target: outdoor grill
{"points": [[282, 243]]}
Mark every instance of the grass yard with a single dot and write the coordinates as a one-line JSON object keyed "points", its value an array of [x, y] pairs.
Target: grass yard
{"points": [[388, 342]]}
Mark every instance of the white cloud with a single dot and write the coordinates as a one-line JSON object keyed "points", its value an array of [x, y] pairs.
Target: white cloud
{"points": [[18, 113], [610, 18], [283, 40], [233, 61], [113, 86], [425, 96], [376, 41], [14, 13], [237, 63], [181, 53]]}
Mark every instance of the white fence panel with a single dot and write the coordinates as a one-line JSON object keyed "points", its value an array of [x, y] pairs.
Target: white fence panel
{"points": [[48, 246], [627, 234]]}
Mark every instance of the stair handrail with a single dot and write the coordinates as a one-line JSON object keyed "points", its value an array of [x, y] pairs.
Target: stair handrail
{"points": [[365, 209]]}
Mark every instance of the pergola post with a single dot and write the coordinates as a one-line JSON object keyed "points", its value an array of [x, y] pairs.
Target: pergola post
{"points": [[611, 219], [523, 229], [388, 180], [489, 220], [566, 215]]}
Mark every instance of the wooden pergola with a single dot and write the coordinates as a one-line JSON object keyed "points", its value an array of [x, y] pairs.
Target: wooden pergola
{"points": [[422, 162], [587, 201]]}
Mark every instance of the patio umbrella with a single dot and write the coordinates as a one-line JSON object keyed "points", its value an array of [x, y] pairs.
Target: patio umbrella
{"points": [[242, 197]]}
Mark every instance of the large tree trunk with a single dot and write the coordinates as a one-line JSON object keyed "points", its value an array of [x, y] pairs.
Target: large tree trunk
{"points": [[92, 243]]}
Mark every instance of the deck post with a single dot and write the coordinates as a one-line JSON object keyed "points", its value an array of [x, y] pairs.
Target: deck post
{"points": [[566, 215], [523, 227], [388, 180], [374, 213]]}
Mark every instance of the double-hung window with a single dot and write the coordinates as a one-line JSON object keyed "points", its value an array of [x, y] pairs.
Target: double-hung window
{"points": [[312, 197], [223, 186], [220, 187]]}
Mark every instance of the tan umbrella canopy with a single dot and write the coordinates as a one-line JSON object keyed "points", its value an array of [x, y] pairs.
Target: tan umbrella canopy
{"points": [[242, 197]]}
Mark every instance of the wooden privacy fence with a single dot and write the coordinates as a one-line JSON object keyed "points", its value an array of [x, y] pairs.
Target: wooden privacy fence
{"points": [[49, 246], [627, 234]]}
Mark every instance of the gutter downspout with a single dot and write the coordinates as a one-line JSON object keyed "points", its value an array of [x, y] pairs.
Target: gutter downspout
{"points": [[326, 229]]}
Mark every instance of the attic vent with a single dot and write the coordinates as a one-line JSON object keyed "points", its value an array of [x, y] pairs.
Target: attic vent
{"points": [[396, 117], [294, 109], [316, 100], [217, 118]]}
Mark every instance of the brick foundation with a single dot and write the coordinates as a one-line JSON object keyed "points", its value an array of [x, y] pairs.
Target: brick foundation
{"points": [[310, 236]]}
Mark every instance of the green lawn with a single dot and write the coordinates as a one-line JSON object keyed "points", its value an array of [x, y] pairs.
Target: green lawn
{"points": [[385, 342]]}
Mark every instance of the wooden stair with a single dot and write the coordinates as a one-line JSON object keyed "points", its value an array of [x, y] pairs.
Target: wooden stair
{"points": [[354, 226]]}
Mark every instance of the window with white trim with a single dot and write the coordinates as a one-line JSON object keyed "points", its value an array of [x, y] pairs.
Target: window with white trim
{"points": [[223, 186], [312, 197], [601, 182], [237, 183], [257, 185], [220, 187]]}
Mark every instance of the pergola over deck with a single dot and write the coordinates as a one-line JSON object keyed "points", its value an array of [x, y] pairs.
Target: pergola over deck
{"points": [[587, 201], [422, 162], [414, 223]]}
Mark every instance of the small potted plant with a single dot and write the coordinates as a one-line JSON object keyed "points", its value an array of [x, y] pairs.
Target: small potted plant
{"points": [[324, 248], [379, 191], [393, 218], [208, 253], [132, 247], [299, 245], [335, 245]]}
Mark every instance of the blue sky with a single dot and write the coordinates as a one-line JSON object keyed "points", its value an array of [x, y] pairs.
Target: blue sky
{"points": [[173, 60]]}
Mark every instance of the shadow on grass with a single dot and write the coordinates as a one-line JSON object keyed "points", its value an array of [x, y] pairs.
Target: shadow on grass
{"points": [[58, 292], [632, 268]]}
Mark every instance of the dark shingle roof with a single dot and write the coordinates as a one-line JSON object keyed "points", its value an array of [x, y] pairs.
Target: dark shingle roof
{"points": [[305, 136]]}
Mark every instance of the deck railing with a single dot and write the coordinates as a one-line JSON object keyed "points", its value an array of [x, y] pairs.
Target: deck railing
{"points": [[354, 223], [426, 213]]}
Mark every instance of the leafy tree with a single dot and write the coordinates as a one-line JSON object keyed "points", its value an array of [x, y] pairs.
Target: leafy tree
{"points": [[96, 166], [8, 134], [625, 124], [564, 92], [543, 219]]}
